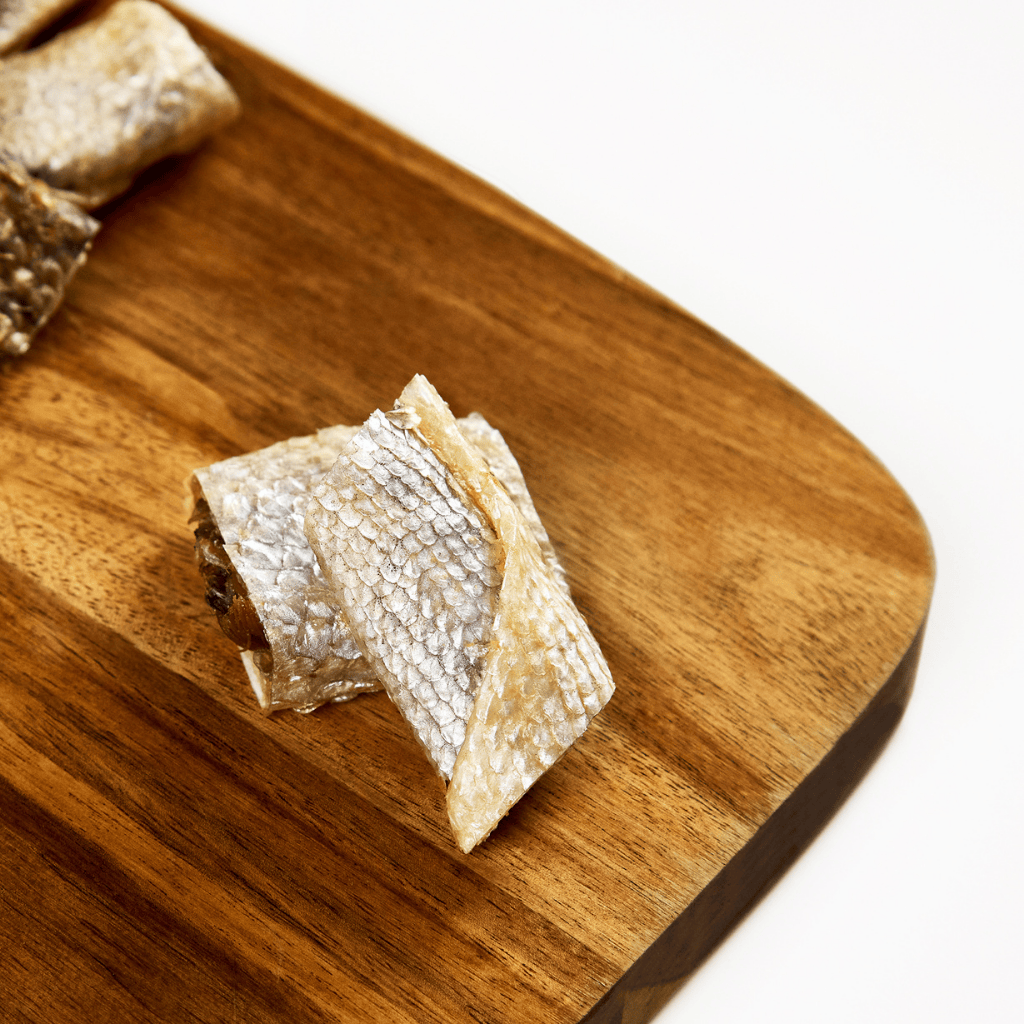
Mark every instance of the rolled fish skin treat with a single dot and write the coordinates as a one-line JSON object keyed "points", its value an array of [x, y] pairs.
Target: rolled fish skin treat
{"points": [[44, 239], [20, 20], [449, 596], [96, 104], [265, 583]]}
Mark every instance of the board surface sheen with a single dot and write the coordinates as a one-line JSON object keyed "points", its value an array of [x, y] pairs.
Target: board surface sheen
{"points": [[757, 581]]}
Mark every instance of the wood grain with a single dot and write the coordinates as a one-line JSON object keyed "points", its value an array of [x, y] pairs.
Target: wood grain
{"points": [[758, 582]]}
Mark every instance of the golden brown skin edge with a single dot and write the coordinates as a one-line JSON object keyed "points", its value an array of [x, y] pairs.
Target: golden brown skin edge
{"points": [[226, 592]]}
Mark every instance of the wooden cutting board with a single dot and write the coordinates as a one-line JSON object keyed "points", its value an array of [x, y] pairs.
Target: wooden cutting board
{"points": [[757, 580]]}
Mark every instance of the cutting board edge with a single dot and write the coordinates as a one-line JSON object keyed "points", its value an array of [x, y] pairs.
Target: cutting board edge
{"points": [[750, 875]]}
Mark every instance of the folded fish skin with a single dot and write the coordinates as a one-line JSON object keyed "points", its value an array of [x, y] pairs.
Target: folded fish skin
{"points": [[413, 563], [450, 597], [264, 581], [44, 239], [96, 104]]}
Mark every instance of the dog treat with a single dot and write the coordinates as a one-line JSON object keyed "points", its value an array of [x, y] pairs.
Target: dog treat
{"points": [[449, 597], [264, 581], [95, 105], [20, 20], [44, 239]]}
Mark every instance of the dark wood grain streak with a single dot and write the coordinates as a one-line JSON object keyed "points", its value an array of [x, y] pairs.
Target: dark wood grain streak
{"points": [[122, 745], [648, 985], [754, 576]]}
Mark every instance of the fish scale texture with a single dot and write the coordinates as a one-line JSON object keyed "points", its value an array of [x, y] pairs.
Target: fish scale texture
{"points": [[414, 565], [90, 108], [258, 501], [450, 594], [549, 668], [44, 239]]}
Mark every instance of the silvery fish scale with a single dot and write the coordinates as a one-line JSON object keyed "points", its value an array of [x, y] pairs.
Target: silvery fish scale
{"points": [[258, 501], [87, 110], [419, 581], [450, 592]]}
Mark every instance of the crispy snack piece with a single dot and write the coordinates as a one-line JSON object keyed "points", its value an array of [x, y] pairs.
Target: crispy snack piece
{"points": [[449, 596], [44, 239], [95, 105], [263, 580], [20, 20], [265, 583]]}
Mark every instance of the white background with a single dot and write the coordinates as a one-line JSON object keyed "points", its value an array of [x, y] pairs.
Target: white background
{"points": [[839, 188]]}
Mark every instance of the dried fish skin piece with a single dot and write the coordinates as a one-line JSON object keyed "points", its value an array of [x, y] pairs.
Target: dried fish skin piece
{"points": [[541, 678], [544, 678], [96, 104], [413, 566], [271, 596], [234, 519], [20, 20], [44, 239]]}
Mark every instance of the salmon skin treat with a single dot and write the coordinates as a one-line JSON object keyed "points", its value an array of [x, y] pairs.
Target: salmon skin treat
{"points": [[44, 239], [449, 596], [265, 583], [98, 103]]}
